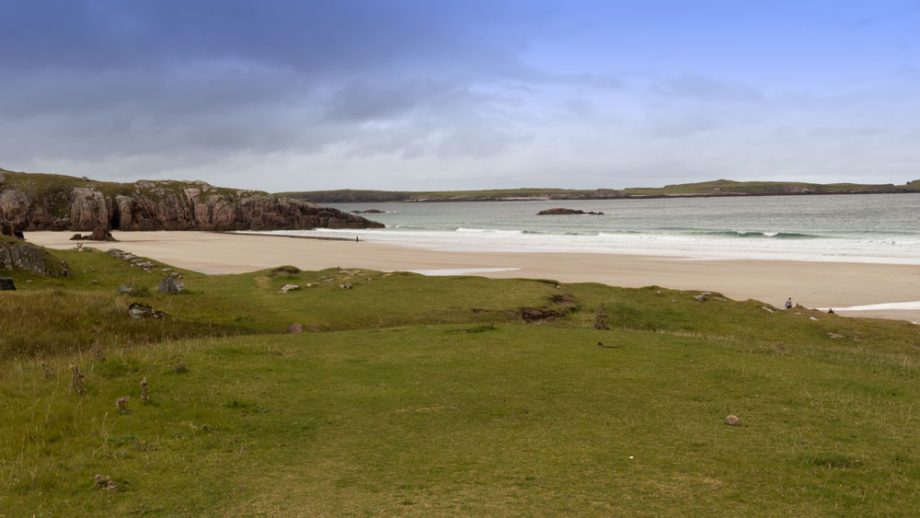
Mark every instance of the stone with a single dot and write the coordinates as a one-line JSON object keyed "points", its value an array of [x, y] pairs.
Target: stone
{"points": [[104, 482], [17, 255], [601, 321], [172, 283], [289, 287], [702, 296], [101, 234], [295, 328], [121, 404], [345, 286], [7, 284], [139, 311], [732, 420], [145, 390], [125, 289]]}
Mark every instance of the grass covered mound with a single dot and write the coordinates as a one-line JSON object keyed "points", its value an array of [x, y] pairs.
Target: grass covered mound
{"points": [[422, 396]]}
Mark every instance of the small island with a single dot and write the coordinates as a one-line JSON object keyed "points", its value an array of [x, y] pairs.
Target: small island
{"points": [[368, 211], [567, 212]]}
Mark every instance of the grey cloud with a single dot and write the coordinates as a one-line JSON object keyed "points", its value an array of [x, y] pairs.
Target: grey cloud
{"points": [[363, 100]]}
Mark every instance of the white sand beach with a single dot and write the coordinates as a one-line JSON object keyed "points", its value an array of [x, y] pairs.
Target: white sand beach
{"points": [[875, 290]]}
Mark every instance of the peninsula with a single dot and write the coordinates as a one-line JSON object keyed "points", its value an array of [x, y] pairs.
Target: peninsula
{"points": [[716, 188]]}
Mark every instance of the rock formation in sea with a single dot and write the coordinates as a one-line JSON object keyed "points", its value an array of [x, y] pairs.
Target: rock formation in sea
{"points": [[567, 212], [53, 202]]}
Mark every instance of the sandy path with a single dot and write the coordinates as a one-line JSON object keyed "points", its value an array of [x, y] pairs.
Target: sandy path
{"points": [[811, 284]]}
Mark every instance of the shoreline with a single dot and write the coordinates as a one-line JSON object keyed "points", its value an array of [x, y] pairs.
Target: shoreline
{"points": [[812, 284], [320, 200]]}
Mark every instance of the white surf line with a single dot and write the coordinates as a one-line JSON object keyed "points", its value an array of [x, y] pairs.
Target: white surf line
{"points": [[890, 306], [903, 306], [460, 271]]}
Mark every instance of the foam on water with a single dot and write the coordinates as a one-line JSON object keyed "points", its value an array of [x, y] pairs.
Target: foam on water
{"points": [[444, 272], [888, 251], [890, 306], [864, 228]]}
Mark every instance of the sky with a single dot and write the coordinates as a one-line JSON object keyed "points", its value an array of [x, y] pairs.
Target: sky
{"points": [[283, 95]]}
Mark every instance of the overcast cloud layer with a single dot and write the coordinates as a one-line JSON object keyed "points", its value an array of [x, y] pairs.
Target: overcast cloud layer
{"points": [[393, 94]]}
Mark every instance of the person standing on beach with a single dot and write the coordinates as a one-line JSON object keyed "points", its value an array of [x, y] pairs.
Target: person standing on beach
{"points": [[789, 303]]}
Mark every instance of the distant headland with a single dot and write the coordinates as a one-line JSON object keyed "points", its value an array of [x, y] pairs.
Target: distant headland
{"points": [[716, 188]]}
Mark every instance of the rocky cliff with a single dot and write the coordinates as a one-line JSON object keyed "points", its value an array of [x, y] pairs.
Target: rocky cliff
{"points": [[54, 202]]}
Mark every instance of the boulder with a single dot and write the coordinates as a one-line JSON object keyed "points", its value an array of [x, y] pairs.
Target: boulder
{"points": [[139, 311], [295, 328], [172, 283], [732, 420], [601, 321], [702, 297], [289, 287], [18, 255], [99, 234], [7, 284]]}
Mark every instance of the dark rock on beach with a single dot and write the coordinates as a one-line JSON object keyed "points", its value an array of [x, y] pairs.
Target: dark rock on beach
{"points": [[99, 234], [567, 212]]}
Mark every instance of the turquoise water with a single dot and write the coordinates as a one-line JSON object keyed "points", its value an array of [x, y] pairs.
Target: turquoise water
{"points": [[861, 228]]}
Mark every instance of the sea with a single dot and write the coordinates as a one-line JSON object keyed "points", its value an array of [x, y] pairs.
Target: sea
{"points": [[867, 228]]}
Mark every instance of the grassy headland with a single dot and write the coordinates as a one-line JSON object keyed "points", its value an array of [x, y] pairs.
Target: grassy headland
{"points": [[45, 184], [701, 189], [455, 395]]}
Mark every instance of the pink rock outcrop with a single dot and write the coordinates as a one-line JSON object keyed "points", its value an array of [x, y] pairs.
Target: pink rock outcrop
{"points": [[46, 202]]}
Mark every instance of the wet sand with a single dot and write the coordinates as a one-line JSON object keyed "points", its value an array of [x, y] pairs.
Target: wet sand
{"points": [[812, 284]]}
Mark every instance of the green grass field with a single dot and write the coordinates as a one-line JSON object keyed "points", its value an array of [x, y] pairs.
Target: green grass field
{"points": [[410, 395]]}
